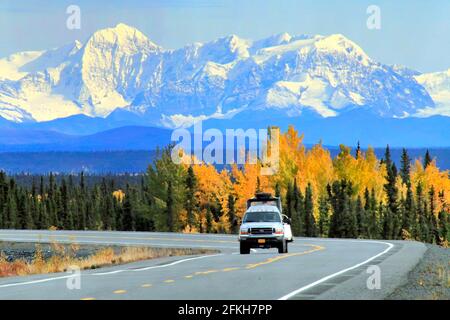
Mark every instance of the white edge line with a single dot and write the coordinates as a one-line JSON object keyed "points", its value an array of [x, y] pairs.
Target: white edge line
{"points": [[155, 267], [34, 281], [104, 273], [293, 293]]}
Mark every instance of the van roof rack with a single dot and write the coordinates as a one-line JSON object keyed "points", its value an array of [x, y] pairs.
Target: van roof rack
{"points": [[265, 198]]}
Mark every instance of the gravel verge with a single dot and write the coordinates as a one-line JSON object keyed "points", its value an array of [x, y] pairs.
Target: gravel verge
{"points": [[429, 280]]}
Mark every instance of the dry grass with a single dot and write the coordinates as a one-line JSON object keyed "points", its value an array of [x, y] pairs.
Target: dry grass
{"points": [[65, 257]]}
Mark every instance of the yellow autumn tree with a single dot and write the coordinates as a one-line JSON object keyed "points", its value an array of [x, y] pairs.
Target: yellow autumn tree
{"points": [[214, 188], [429, 177]]}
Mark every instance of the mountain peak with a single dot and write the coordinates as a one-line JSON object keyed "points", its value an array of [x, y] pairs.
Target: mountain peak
{"points": [[283, 37], [119, 67], [124, 35], [338, 43]]}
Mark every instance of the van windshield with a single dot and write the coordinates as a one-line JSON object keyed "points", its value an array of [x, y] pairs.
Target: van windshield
{"points": [[262, 217]]}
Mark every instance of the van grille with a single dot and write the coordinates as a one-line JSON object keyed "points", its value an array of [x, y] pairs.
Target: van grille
{"points": [[261, 230]]}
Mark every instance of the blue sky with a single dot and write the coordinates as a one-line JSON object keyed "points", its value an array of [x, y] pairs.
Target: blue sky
{"points": [[415, 33]]}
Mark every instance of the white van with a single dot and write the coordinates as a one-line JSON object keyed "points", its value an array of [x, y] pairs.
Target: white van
{"points": [[264, 225]]}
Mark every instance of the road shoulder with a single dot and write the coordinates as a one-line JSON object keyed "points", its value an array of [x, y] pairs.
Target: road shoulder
{"points": [[394, 268]]}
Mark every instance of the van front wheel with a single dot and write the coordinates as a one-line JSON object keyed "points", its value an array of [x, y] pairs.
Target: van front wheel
{"points": [[244, 248], [283, 247]]}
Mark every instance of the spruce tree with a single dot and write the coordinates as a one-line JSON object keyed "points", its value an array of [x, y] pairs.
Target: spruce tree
{"points": [[358, 151], [310, 223], [324, 216], [349, 225], [361, 219], [129, 223], [234, 226], [10, 212], [371, 209], [432, 220], [2, 219], [191, 200], [405, 168], [408, 210], [170, 207], [444, 221], [297, 210], [443, 227], [427, 160], [209, 219], [43, 216], [334, 194], [391, 224]]}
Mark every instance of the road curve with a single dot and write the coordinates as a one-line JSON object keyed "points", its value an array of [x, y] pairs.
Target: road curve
{"points": [[314, 268]]}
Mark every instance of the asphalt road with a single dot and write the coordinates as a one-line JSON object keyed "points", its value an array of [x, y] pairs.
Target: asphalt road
{"points": [[313, 269]]}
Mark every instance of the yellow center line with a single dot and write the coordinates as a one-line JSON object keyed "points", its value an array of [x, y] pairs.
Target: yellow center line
{"points": [[88, 298], [229, 269], [169, 281], [206, 272], [265, 262], [282, 257], [120, 291], [146, 285]]}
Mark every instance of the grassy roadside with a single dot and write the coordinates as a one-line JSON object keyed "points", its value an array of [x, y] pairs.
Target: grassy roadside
{"points": [[430, 279], [56, 257]]}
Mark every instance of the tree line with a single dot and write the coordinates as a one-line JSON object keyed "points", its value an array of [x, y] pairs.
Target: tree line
{"points": [[353, 195]]}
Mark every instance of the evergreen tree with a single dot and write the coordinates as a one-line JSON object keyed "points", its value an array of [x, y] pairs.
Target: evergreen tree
{"points": [[391, 223], [405, 168], [234, 226], [432, 221], [408, 210], [343, 221], [427, 160], [324, 216], [162, 172], [297, 210], [422, 229], [209, 219], [10, 212], [24, 218], [444, 221], [358, 151], [43, 216], [2, 219], [310, 223], [129, 223], [191, 200], [371, 209], [170, 212], [361, 219]]}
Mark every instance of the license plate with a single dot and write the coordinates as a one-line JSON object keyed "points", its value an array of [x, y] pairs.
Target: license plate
{"points": [[261, 240]]}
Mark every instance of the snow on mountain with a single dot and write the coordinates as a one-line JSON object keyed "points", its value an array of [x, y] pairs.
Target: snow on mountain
{"points": [[93, 79], [10, 66], [121, 68], [438, 86]]}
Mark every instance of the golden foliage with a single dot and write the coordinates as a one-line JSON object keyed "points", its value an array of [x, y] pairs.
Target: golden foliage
{"points": [[432, 177], [314, 166], [119, 195]]}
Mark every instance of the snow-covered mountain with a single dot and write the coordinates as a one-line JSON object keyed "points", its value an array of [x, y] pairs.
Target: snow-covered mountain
{"points": [[438, 86], [287, 75]]}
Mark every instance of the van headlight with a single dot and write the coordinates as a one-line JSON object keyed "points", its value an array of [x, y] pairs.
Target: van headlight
{"points": [[279, 231], [243, 231]]}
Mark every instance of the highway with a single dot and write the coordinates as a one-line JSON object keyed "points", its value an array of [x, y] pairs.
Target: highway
{"points": [[314, 268]]}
